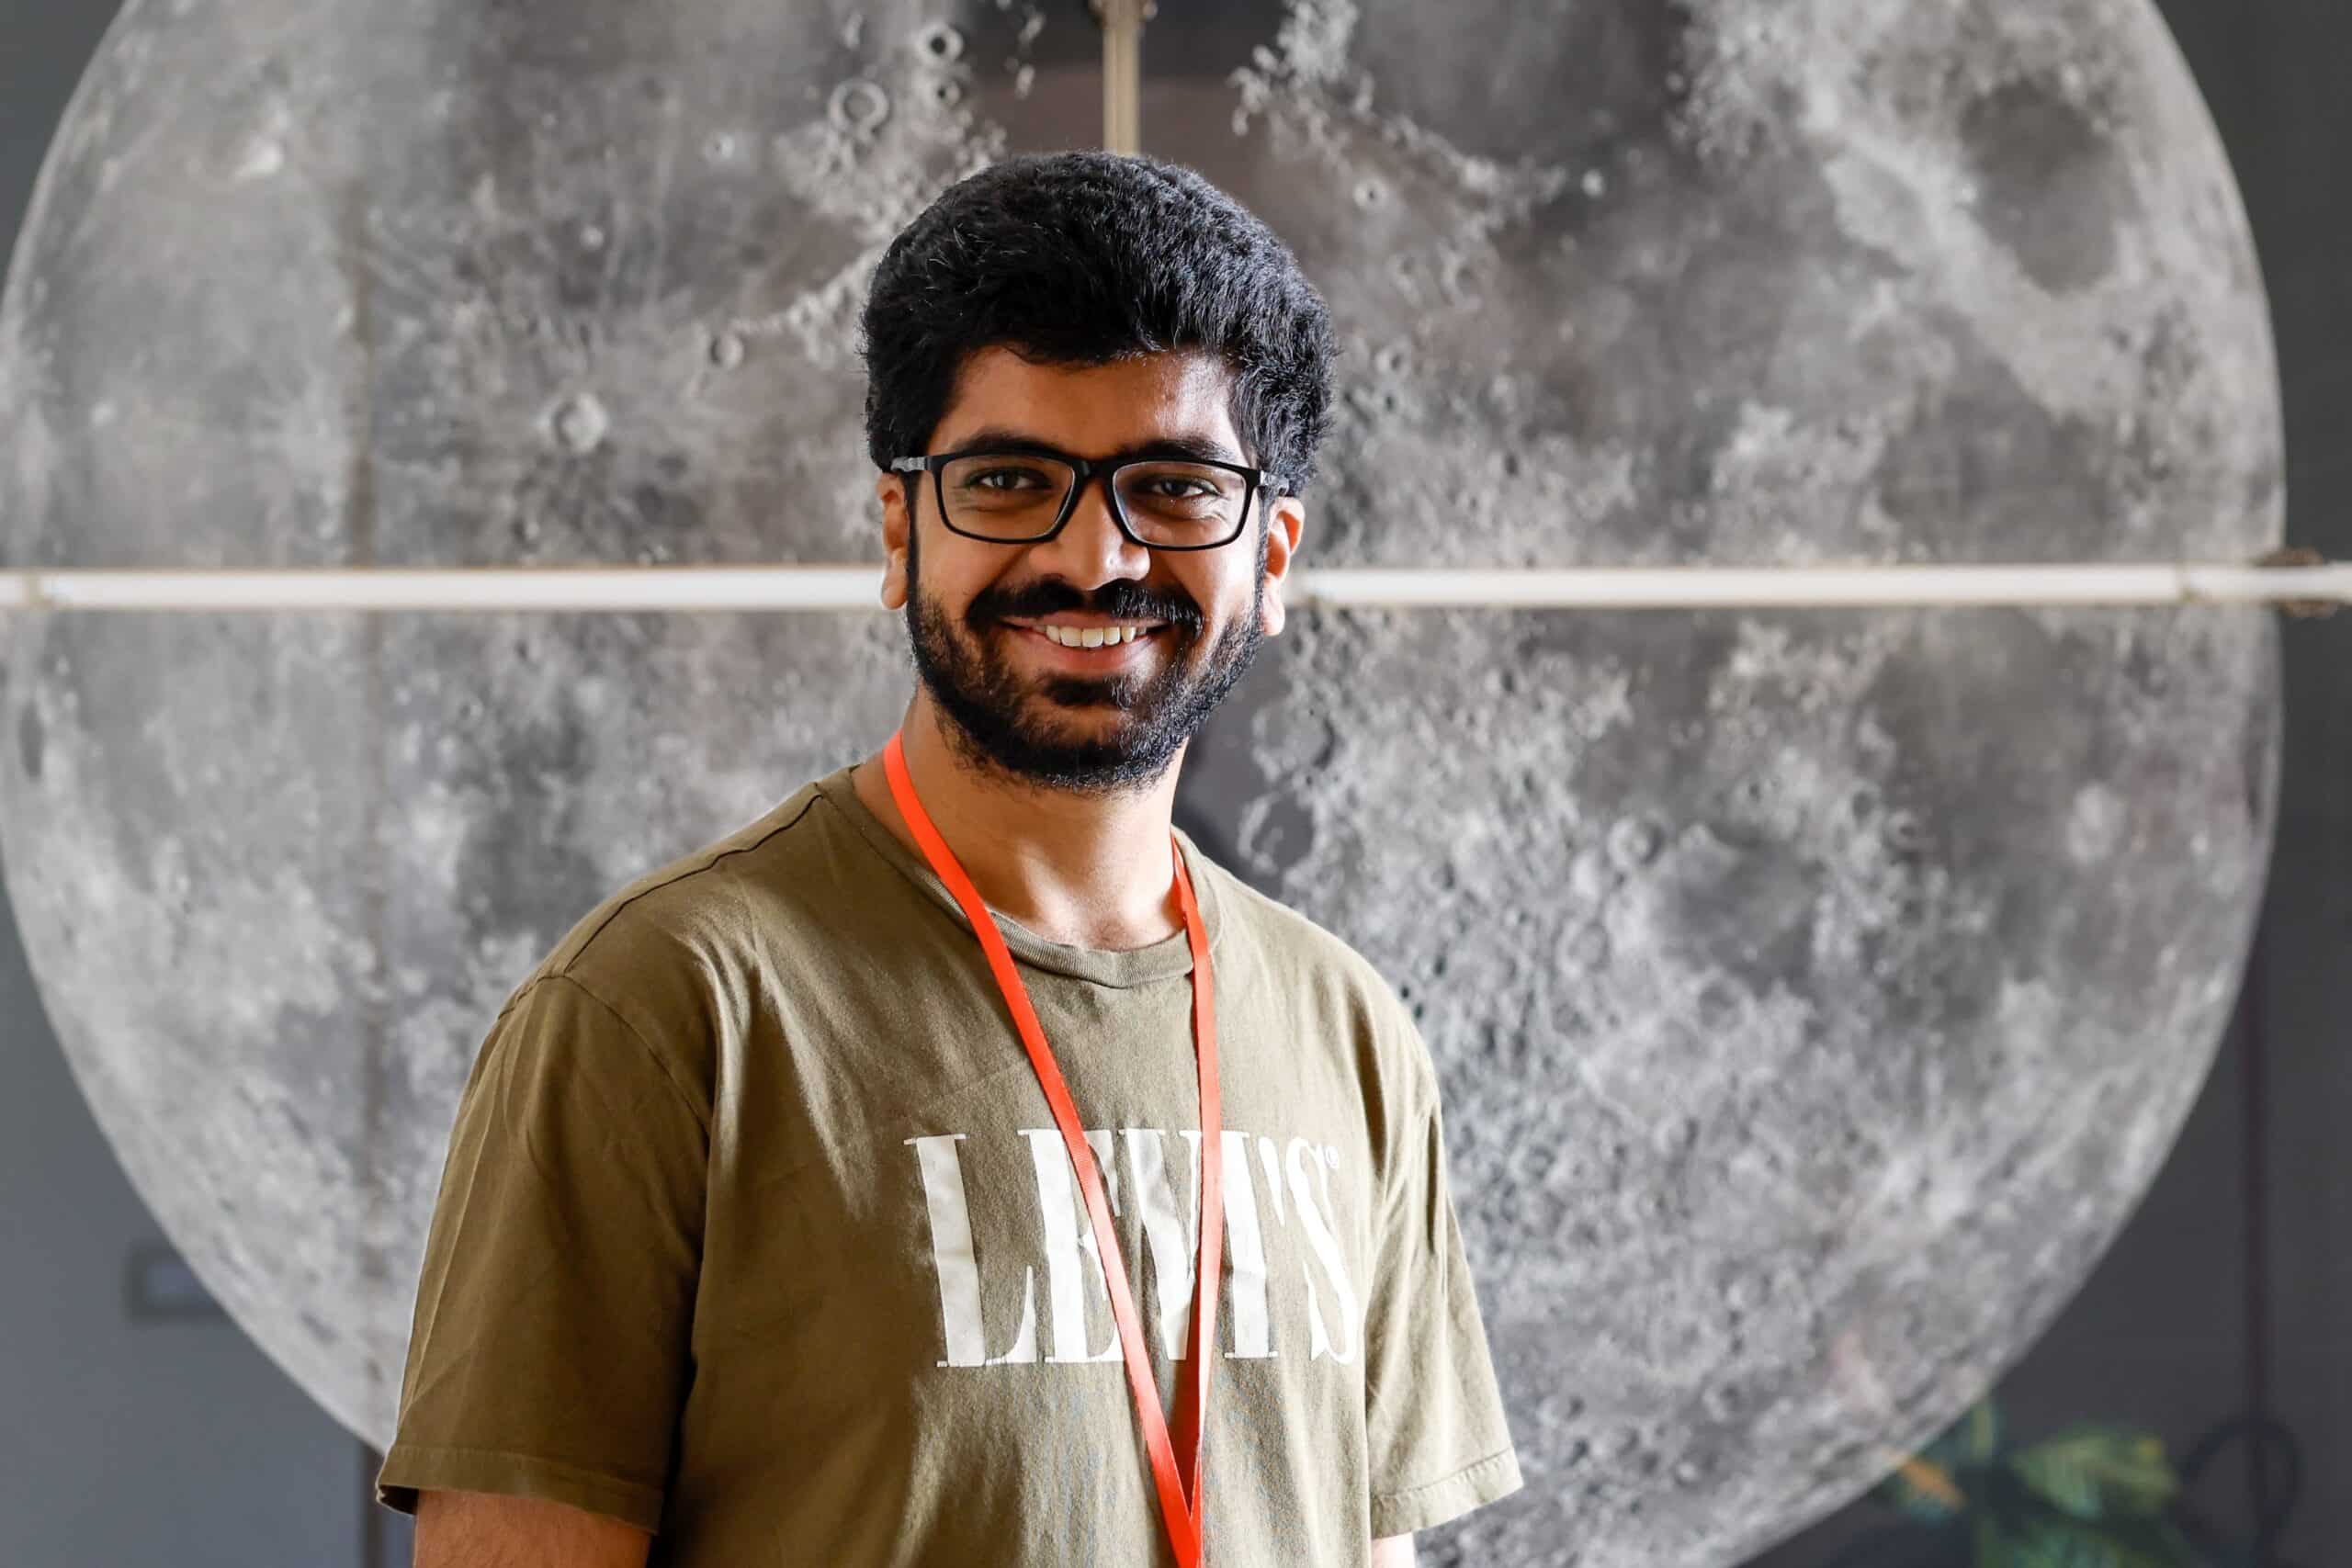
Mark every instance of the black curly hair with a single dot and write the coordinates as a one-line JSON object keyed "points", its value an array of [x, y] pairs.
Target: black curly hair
{"points": [[1085, 257]]}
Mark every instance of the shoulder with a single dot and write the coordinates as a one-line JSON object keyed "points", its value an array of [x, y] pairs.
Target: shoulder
{"points": [[1301, 950], [695, 901], [668, 953], [1327, 980]]}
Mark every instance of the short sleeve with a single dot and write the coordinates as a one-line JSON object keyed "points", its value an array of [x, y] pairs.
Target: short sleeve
{"points": [[550, 1355], [1439, 1441]]}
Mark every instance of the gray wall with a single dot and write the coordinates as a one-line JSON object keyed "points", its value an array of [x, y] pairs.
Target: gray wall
{"points": [[174, 1441]]}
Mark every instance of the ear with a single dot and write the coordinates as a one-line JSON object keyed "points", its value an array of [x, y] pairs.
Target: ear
{"points": [[1285, 519], [892, 491]]}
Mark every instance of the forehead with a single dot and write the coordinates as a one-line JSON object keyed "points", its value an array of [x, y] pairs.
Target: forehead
{"points": [[1095, 408]]}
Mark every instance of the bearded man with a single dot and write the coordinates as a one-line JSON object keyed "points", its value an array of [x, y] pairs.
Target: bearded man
{"points": [[955, 1165]]}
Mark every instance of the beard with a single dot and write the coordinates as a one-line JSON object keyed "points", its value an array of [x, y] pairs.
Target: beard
{"points": [[1002, 718]]}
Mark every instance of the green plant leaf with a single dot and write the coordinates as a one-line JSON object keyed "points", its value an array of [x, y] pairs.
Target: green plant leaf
{"points": [[2095, 1472], [2058, 1541], [2157, 1540]]}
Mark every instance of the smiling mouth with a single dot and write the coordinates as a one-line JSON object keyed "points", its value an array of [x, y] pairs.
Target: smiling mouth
{"points": [[1101, 641]]}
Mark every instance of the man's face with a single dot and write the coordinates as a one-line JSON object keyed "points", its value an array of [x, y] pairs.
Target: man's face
{"points": [[1092, 721]]}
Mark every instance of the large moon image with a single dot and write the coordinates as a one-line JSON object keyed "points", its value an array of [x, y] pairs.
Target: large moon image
{"points": [[1815, 992]]}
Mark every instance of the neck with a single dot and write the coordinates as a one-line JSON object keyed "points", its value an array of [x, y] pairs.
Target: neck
{"points": [[1088, 871]]}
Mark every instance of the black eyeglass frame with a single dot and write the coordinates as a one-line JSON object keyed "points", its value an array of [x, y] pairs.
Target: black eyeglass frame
{"points": [[1258, 481]]}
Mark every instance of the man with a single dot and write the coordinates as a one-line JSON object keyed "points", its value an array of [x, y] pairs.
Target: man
{"points": [[757, 1243]]}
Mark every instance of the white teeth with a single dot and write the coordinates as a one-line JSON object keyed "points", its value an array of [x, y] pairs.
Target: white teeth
{"points": [[1091, 636]]}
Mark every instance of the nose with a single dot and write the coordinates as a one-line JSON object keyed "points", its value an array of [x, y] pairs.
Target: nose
{"points": [[1091, 550]]}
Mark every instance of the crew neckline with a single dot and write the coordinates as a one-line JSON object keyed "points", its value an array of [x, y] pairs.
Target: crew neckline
{"points": [[1170, 955]]}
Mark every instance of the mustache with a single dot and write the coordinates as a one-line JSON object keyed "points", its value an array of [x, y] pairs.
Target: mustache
{"points": [[1121, 600]]}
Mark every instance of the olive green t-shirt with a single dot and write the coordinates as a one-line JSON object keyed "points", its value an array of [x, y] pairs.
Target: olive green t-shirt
{"points": [[756, 1232]]}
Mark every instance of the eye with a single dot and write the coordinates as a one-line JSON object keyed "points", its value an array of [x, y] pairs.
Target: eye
{"points": [[1019, 477]]}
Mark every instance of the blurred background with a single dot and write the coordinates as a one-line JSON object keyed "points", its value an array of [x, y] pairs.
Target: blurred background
{"points": [[143, 1427]]}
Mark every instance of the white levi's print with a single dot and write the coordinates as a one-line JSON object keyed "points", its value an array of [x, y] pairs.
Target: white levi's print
{"points": [[1280, 1214]]}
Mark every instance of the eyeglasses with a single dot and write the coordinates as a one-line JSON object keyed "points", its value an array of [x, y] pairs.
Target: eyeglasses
{"points": [[1024, 498]]}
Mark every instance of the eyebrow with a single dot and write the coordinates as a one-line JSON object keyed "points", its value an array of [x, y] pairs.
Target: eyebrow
{"points": [[1181, 445]]}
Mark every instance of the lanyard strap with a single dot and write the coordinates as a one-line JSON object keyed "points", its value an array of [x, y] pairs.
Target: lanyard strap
{"points": [[1183, 1518]]}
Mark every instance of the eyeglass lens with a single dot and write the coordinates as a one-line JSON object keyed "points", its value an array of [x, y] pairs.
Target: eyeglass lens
{"points": [[1015, 496]]}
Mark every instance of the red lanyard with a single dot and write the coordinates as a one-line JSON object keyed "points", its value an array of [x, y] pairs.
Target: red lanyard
{"points": [[1183, 1518]]}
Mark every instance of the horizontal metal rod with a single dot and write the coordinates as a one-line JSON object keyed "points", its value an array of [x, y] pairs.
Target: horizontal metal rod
{"points": [[2310, 587]]}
